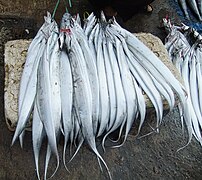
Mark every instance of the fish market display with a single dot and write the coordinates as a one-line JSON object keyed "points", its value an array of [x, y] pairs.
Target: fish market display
{"points": [[84, 83], [184, 47]]}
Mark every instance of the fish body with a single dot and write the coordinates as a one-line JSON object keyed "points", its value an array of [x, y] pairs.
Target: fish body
{"points": [[28, 83], [103, 88], [194, 7], [184, 8]]}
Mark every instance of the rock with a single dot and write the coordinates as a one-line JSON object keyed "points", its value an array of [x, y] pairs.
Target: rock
{"points": [[15, 54]]}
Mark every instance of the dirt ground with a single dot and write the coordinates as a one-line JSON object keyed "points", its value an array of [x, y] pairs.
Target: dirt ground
{"points": [[151, 157]]}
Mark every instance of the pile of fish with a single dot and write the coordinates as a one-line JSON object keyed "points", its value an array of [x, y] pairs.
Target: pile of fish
{"points": [[84, 83], [194, 6], [184, 45]]}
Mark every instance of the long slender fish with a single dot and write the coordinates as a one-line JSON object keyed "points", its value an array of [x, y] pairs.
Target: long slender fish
{"points": [[196, 130], [54, 78], [199, 75], [28, 86], [141, 104], [194, 86], [38, 134], [83, 106], [110, 83], [199, 4], [45, 103], [129, 89], [104, 95], [92, 73], [120, 96], [66, 98], [89, 24]]}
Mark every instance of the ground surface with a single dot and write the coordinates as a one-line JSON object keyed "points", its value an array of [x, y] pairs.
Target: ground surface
{"points": [[151, 157]]}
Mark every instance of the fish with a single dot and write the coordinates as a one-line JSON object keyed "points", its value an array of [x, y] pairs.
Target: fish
{"points": [[129, 89], [103, 88], [44, 101], [54, 80], [194, 129], [193, 85], [194, 7], [89, 24], [121, 112], [199, 5], [199, 75], [111, 84], [184, 8], [92, 73], [83, 106], [38, 134]]}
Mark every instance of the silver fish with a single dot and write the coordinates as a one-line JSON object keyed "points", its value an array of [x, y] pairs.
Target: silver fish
{"points": [[38, 133], [184, 7], [104, 96], [92, 73], [28, 85], [66, 98], [121, 112], [193, 5], [83, 106]]}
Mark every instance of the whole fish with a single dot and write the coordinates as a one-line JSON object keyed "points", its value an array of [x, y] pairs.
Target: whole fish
{"points": [[129, 89], [45, 100], [104, 95], [92, 72], [110, 83], [83, 106], [66, 98]]}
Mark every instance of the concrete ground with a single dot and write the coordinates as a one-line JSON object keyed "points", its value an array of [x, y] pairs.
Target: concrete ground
{"points": [[152, 157]]}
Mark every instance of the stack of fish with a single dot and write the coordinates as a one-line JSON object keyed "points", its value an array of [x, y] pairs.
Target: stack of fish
{"points": [[85, 83], [191, 5], [185, 50]]}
